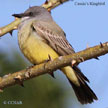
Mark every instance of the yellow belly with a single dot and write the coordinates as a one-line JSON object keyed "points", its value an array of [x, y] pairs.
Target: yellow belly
{"points": [[37, 51]]}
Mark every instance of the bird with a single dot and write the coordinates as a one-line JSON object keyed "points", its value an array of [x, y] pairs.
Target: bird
{"points": [[40, 37]]}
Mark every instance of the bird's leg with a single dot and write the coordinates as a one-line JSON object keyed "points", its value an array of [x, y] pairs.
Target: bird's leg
{"points": [[50, 59], [51, 73]]}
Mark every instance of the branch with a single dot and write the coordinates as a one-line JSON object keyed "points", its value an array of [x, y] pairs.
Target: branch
{"points": [[26, 74], [12, 26]]}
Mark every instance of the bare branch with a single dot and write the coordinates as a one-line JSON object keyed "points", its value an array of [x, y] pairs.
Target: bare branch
{"points": [[12, 26], [50, 66]]}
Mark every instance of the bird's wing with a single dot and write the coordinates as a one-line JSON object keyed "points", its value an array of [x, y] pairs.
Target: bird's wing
{"points": [[54, 36]]}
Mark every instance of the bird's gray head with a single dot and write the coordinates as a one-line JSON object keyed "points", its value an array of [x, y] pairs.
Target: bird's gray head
{"points": [[35, 12]]}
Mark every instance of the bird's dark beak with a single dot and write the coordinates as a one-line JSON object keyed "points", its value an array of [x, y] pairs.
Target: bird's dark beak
{"points": [[20, 15]]}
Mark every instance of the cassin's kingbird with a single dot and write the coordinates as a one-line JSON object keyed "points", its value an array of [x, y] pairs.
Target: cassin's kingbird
{"points": [[40, 37]]}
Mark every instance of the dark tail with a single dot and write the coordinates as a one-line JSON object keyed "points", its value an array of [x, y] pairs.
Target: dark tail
{"points": [[83, 92]]}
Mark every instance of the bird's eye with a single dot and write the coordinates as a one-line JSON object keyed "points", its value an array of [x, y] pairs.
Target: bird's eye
{"points": [[31, 14]]}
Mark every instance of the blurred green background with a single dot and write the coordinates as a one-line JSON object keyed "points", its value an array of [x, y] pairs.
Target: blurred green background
{"points": [[41, 92]]}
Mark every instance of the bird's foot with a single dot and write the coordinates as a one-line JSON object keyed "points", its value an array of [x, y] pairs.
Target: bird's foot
{"points": [[49, 59]]}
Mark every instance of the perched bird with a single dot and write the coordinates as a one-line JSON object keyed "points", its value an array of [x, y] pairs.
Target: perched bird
{"points": [[40, 37]]}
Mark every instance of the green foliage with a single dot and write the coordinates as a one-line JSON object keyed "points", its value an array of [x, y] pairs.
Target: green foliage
{"points": [[40, 92]]}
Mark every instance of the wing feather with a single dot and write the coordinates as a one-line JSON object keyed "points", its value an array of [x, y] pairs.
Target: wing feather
{"points": [[55, 36]]}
